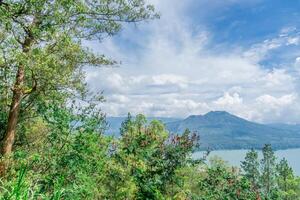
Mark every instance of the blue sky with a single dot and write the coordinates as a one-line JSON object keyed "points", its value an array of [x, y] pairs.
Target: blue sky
{"points": [[246, 22], [241, 56]]}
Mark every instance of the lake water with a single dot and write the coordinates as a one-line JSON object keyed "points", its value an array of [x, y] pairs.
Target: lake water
{"points": [[234, 157]]}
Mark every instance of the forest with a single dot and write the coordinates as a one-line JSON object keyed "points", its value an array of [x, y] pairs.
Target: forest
{"points": [[52, 129]]}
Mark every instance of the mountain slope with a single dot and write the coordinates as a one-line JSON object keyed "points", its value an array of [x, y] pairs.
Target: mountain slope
{"points": [[221, 130]]}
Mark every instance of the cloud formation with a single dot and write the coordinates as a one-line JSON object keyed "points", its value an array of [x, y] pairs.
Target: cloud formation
{"points": [[172, 67]]}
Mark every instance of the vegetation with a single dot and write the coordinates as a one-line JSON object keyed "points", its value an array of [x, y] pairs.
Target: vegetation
{"points": [[146, 162], [51, 128], [42, 54], [270, 179]]}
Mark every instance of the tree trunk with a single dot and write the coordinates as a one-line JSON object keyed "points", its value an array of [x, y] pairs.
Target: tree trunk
{"points": [[14, 112], [15, 106], [18, 94]]}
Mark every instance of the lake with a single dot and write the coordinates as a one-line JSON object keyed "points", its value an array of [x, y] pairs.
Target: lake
{"points": [[234, 157]]}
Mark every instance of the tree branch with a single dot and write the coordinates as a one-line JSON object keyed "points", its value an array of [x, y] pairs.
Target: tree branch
{"points": [[3, 3], [33, 87]]}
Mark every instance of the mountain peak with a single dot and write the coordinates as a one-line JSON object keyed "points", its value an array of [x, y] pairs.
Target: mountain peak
{"points": [[217, 113], [211, 114], [222, 130], [223, 116]]}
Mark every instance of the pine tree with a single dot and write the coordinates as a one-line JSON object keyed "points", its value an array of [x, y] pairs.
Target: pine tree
{"points": [[251, 168], [126, 124], [287, 183], [268, 177], [284, 173]]}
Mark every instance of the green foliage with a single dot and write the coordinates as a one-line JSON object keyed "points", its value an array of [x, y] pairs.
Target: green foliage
{"points": [[288, 184], [80, 163], [41, 42], [269, 179], [153, 156], [74, 161], [60, 150], [219, 181], [251, 168]]}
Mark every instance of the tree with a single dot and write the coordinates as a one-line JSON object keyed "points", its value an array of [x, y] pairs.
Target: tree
{"points": [[126, 124], [268, 177], [153, 156], [41, 51], [251, 169], [220, 181], [284, 173], [288, 184]]}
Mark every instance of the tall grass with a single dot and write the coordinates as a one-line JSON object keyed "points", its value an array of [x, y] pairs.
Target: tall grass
{"points": [[18, 190]]}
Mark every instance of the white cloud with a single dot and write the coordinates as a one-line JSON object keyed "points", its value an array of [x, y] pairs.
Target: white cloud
{"points": [[278, 78], [174, 73], [288, 36], [278, 109], [271, 102], [169, 79], [293, 41], [229, 100]]}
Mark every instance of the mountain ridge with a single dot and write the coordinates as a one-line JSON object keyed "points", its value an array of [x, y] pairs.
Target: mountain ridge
{"points": [[223, 130]]}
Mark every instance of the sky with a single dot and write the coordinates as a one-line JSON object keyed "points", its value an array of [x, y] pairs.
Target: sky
{"points": [[240, 56]]}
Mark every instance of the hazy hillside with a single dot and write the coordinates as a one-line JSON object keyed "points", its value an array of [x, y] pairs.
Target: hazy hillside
{"points": [[222, 130], [114, 123]]}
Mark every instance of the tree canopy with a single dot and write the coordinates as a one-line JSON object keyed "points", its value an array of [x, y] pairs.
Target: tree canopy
{"points": [[53, 133], [42, 52]]}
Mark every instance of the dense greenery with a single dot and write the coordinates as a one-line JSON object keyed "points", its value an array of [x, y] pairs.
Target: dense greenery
{"points": [[143, 163], [51, 129], [146, 162], [42, 53], [270, 179]]}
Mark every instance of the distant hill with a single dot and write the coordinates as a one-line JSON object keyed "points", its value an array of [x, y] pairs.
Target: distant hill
{"points": [[114, 123], [222, 130]]}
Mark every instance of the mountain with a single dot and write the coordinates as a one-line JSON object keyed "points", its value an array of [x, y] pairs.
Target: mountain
{"points": [[291, 127], [222, 130]]}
